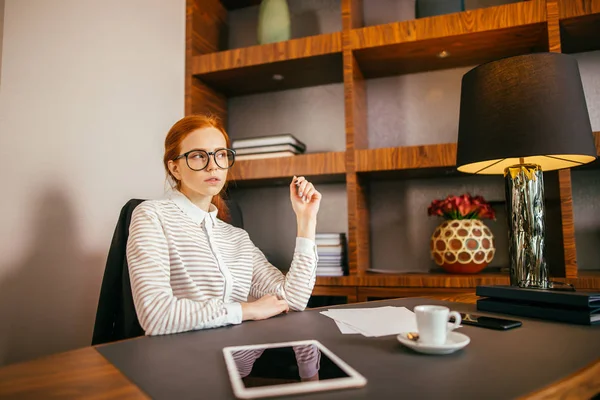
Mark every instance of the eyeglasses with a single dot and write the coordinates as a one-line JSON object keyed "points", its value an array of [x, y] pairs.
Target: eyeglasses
{"points": [[197, 160]]}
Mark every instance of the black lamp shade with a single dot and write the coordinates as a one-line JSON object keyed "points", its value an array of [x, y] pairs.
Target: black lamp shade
{"points": [[524, 109]]}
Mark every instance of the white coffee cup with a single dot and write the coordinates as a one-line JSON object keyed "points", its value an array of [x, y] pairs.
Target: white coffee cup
{"points": [[432, 323]]}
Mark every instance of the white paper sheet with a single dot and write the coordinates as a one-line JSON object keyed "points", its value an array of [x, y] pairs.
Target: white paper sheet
{"points": [[345, 329], [375, 322]]}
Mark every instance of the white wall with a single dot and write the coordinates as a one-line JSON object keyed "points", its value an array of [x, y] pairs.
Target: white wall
{"points": [[88, 90]]}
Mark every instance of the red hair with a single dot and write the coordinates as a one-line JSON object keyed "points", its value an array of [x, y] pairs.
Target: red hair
{"points": [[177, 134]]}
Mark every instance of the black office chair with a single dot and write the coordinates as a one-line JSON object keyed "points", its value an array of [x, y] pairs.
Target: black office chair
{"points": [[116, 318]]}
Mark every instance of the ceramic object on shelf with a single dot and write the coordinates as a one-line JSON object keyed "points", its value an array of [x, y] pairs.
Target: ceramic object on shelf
{"points": [[274, 24], [430, 8], [462, 246]]}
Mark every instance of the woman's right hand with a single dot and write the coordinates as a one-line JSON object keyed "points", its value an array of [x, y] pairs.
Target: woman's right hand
{"points": [[263, 308]]}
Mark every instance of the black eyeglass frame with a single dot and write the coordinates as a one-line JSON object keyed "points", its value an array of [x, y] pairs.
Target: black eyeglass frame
{"points": [[208, 154]]}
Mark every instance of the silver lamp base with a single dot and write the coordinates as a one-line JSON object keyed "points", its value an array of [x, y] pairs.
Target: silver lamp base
{"points": [[524, 186]]}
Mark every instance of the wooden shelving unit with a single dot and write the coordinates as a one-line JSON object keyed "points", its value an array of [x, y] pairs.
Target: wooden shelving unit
{"points": [[358, 53]]}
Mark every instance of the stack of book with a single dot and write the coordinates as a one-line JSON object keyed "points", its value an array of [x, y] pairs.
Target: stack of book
{"points": [[331, 250], [557, 305], [285, 145]]}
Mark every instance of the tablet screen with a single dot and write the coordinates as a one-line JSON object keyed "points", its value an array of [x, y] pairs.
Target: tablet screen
{"points": [[285, 365], [276, 369]]}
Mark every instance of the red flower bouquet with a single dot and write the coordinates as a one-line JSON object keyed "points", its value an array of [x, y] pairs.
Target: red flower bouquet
{"points": [[462, 207]]}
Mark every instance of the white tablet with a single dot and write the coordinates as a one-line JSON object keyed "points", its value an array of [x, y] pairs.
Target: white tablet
{"points": [[277, 369]]}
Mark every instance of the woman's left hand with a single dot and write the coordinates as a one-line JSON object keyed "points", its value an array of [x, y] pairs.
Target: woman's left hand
{"points": [[305, 199]]}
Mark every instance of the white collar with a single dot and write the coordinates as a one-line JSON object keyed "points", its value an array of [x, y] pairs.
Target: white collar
{"points": [[193, 211]]}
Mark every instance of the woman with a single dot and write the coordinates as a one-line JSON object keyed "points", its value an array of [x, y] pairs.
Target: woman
{"points": [[191, 270]]}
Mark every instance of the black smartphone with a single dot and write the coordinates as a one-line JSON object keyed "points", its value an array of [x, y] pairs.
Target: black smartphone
{"points": [[489, 322]]}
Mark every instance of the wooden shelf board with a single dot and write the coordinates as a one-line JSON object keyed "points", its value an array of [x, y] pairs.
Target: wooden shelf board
{"points": [[441, 157], [586, 280], [446, 294], [320, 167], [235, 4], [309, 61], [433, 160], [431, 280], [579, 25], [471, 38]]}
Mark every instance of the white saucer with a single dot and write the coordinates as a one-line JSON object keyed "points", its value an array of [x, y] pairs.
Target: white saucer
{"points": [[454, 341]]}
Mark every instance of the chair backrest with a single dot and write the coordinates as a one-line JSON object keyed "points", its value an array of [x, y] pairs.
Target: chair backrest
{"points": [[116, 318], [235, 212]]}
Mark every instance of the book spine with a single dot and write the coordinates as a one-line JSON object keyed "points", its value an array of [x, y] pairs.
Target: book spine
{"points": [[549, 297], [575, 317]]}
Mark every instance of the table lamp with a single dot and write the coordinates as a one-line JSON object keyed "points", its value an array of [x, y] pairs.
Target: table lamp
{"points": [[520, 116]]}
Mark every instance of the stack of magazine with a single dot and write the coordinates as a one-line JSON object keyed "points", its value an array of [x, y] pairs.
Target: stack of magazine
{"points": [[331, 251], [284, 145]]}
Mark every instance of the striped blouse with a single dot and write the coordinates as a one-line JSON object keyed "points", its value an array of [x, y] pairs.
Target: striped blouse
{"points": [[189, 270]]}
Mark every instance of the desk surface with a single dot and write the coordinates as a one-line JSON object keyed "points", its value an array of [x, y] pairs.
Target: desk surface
{"points": [[86, 373]]}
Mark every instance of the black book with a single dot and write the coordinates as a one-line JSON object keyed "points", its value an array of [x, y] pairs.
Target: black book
{"points": [[544, 296], [581, 316]]}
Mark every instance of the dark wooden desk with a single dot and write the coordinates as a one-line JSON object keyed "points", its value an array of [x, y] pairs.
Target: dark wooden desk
{"points": [[85, 373]]}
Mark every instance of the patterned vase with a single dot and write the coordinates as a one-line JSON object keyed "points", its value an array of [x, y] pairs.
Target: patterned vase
{"points": [[274, 21], [462, 246]]}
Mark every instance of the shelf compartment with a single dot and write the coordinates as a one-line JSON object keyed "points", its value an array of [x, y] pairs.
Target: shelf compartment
{"points": [[309, 61], [470, 38], [235, 4], [596, 163], [319, 167], [579, 25]]}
